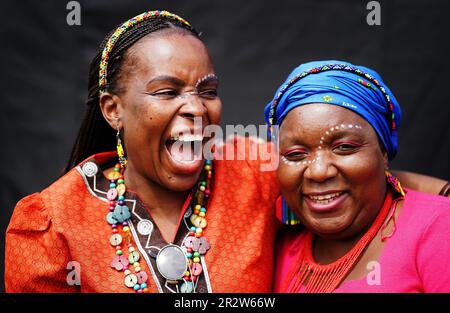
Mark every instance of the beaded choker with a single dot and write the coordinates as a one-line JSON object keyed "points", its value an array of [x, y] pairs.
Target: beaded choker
{"points": [[175, 263]]}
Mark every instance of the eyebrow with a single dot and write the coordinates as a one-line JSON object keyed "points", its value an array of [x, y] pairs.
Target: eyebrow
{"points": [[342, 133], [209, 79], [167, 78], [293, 138]]}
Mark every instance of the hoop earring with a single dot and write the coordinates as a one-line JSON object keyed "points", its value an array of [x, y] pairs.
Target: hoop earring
{"points": [[120, 152], [394, 182]]}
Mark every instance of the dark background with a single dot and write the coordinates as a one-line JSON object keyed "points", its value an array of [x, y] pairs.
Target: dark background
{"points": [[254, 45]]}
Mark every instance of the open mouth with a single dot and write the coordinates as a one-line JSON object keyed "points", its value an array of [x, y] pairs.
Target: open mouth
{"points": [[185, 148], [324, 199]]}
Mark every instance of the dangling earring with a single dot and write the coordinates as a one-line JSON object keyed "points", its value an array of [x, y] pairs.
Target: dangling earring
{"points": [[120, 152], [394, 182], [287, 216]]}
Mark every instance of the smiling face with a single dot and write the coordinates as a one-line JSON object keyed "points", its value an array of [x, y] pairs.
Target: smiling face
{"points": [[332, 169], [166, 81]]}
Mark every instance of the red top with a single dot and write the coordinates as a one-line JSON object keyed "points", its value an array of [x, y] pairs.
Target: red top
{"points": [[415, 259]]}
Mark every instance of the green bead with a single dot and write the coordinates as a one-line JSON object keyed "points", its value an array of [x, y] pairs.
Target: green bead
{"points": [[119, 252], [116, 169], [120, 181], [203, 183], [196, 255]]}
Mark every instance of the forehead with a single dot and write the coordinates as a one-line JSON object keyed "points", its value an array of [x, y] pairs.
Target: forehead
{"points": [[171, 54], [311, 120]]}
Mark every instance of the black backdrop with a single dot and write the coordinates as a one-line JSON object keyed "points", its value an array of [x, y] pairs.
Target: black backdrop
{"points": [[254, 45]]}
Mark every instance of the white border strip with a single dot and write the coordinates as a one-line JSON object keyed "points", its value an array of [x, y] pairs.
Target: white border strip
{"points": [[133, 231]]}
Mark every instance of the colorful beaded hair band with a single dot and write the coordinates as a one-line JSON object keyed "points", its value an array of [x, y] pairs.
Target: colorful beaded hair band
{"points": [[123, 28], [340, 67]]}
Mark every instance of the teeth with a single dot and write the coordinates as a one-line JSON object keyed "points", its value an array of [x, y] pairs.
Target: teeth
{"points": [[188, 138], [325, 198]]}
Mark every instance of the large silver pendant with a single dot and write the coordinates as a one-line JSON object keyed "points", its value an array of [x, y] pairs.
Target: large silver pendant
{"points": [[171, 262]]}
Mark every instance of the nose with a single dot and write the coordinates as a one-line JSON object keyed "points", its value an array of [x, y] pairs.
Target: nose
{"points": [[321, 169], [192, 106]]}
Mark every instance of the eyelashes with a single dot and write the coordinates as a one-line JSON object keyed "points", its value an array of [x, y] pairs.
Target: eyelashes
{"points": [[299, 155], [170, 94], [345, 146], [298, 162], [295, 153], [337, 147]]}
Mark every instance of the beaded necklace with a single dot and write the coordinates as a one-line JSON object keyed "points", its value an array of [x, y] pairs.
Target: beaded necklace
{"points": [[175, 263], [306, 274]]}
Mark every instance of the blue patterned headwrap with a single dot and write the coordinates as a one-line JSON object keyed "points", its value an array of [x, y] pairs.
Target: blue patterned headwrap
{"points": [[356, 88]]}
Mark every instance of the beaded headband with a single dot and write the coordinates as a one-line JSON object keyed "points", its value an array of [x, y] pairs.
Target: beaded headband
{"points": [[122, 29], [330, 67]]}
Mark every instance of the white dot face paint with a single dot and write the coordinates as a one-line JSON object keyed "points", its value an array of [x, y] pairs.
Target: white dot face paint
{"points": [[296, 163], [320, 147], [204, 78], [288, 162], [334, 128]]}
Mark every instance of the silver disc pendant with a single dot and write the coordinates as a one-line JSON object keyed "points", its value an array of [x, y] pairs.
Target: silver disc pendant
{"points": [[171, 262]]}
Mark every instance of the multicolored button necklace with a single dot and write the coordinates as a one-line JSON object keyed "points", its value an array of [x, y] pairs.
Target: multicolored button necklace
{"points": [[174, 262]]}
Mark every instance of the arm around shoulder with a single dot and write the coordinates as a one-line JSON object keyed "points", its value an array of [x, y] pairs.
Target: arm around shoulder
{"points": [[422, 183]]}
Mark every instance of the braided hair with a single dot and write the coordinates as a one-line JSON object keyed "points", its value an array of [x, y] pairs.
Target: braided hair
{"points": [[95, 134]]}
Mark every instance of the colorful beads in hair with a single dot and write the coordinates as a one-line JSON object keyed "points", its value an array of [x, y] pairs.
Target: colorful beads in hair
{"points": [[122, 29]]}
